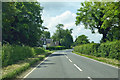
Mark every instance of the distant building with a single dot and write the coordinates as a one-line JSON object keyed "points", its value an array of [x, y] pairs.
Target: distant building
{"points": [[49, 42]]}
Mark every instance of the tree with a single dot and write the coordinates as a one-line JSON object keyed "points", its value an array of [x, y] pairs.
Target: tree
{"points": [[81, 40], [46, 34], [99, 15], [67, 40], [92, 42], [113, 20], [22, 23], [63, 36]]}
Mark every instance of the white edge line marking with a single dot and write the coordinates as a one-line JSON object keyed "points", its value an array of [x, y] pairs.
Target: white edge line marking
{"points": [[77, 67], [89, 78], [36, 66], [98, 61], [69, 60]]}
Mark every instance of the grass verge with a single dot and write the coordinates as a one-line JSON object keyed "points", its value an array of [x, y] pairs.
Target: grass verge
{"points": [[10, 72], [113, 62]]}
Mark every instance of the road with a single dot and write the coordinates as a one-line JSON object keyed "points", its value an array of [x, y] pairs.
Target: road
{"points": [[65, 64]]}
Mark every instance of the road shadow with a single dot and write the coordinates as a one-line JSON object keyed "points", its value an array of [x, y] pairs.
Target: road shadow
{"points": [[43, 65], [47, 63], [57, 55], [47, 60]]}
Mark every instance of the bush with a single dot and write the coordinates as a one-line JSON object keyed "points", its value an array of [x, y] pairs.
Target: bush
{"points": [[89, 49], [56, 48], [108, 49], [39, 50], [13, 53]]}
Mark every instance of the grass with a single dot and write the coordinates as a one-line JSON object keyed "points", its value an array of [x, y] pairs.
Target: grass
{"points": [[113, 62], [11, 71]]}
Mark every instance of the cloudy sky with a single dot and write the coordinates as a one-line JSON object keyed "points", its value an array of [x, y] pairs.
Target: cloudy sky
{"points": [[65, 13]]}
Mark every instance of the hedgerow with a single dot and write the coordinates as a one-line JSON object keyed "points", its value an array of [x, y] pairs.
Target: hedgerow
{"points": [[56, 48], [108, 49], [13, 53]]}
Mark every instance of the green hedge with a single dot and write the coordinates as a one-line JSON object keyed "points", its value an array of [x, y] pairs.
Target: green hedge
{"points": [[108, 49], [89, 49], [11, 75], [39, 50], [56, 48], [13, 53]]}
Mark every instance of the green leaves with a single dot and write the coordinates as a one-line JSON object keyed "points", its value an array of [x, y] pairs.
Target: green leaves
{"points": [[63, 36], [81, 40], [99, 15], [22, 23], [108, 49]]}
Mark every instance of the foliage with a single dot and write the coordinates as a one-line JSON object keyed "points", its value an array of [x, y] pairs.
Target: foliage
{"points": [[103, 16], [46, 34], [89, 49], [10, 72], [63, 36], [38, 50], [22, 23], [81, 40], [56, 48], [13, 53], [108, 49], [101, 59]]}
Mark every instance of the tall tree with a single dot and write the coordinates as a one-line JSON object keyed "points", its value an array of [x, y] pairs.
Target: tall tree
{"points": [[97, 15], [63, 36], [112, 19], [22, 22], [46, 34], [81, 40]]}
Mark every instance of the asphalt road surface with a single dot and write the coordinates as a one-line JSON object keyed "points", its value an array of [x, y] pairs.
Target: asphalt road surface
{"points": [[65, 64]]}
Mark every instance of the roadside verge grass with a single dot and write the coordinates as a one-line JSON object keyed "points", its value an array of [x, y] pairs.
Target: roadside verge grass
{"points": [[113, 62], [11, 71]]}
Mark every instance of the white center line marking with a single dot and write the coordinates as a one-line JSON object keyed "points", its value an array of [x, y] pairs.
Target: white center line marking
{"points": [[70, 60], [77, 67], [89, 78], [66, 57]]}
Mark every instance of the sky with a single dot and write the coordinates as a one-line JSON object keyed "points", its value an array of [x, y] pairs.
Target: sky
{"points": [[65, 13]]}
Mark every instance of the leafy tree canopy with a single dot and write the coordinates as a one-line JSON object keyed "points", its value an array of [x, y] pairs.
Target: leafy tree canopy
{"points": [[63, 36], [46, 34], [22, 23], [81, 40], [103, 16]]}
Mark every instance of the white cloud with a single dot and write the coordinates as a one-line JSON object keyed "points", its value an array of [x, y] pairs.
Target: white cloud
{"points": [[68, 19]]}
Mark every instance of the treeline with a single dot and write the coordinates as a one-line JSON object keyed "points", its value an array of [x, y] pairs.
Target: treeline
{"points": [[22, 23], [107, 50]]}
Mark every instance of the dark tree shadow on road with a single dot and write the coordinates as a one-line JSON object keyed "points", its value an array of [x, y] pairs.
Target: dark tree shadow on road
{"points": [[43, 65], [57, 55]]}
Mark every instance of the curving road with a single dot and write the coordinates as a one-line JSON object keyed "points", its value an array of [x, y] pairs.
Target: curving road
{"points": [[65, 65]]}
